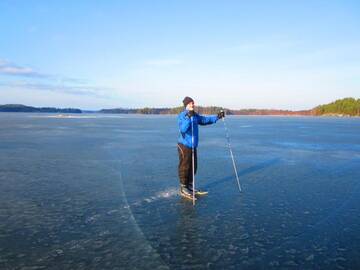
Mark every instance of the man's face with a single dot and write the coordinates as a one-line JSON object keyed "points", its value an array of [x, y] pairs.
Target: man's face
{"points": [[190, 106]]}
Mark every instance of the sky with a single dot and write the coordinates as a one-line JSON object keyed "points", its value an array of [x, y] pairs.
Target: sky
{"points": [[235, 54]]}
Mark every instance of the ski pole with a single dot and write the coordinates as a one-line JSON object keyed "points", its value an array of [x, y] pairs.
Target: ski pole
{"points": [[231, 153], [193, 161]]}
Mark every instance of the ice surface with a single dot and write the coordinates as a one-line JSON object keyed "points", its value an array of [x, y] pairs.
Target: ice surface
{"points": [[102, 193]]}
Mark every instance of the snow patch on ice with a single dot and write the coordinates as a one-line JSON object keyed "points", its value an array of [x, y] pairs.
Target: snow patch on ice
{"points": [[165, 194]]}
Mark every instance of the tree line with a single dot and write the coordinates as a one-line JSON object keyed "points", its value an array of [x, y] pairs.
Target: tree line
{"points": [[345, 106], [23, 108]]}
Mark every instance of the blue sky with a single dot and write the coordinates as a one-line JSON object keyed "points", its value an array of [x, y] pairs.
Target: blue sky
{"points": [[235, 54]]}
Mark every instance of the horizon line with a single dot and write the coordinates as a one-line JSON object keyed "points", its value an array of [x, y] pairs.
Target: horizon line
{"points": [[165, 107]]}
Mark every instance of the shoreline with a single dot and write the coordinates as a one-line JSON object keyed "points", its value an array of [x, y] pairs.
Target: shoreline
{"points": [[69, 114]]}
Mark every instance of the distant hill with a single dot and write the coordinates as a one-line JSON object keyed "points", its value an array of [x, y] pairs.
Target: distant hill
{"points": [[208, 110], [137, 111], [340, 107], [270, 112], [23, 108], [175, 110]]}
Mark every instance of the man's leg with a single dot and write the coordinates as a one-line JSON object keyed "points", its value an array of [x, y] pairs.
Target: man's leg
{"points": [[184, 166]]}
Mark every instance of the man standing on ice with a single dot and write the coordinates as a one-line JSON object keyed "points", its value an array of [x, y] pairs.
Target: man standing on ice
{"points": [[186, 120]]}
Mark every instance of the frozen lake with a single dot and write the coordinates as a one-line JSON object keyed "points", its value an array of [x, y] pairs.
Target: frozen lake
{"points": [[100, 192]]}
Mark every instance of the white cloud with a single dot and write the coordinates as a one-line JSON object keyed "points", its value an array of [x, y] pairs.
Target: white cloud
{"points": [[16, 70], [58, 87], [48, 82], [8, 68]]}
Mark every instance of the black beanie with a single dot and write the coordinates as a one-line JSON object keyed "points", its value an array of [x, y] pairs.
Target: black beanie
{"points": [[187, 100]]}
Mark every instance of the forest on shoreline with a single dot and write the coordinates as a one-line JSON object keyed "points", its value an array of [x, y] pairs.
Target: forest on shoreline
{"points": [[341, 107]]}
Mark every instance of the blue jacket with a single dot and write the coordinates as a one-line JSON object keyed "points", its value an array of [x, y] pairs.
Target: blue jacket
{"points": [[185, 136]]}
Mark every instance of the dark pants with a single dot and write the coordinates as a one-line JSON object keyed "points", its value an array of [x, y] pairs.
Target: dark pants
{"points": [[185, 164]]}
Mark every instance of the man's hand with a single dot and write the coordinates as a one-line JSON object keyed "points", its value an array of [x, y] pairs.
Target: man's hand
{"points": [[191, 113], [221, 114]]}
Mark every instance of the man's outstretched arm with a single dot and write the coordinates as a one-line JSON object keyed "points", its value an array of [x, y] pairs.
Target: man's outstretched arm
{"points": [[211, 119]]}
